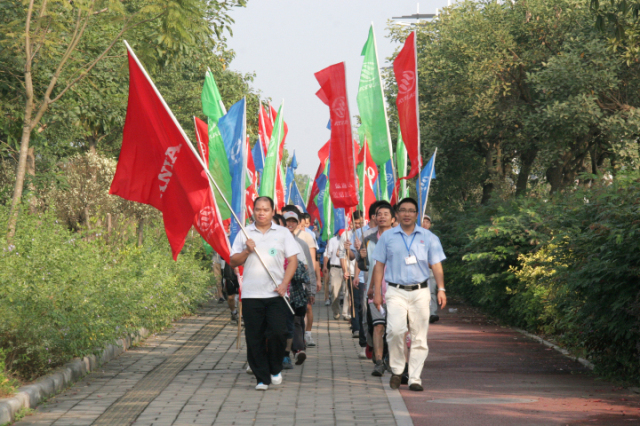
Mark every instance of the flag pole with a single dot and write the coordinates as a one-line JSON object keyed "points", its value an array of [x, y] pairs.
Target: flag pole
{"points": [[433, 165], [206, 169]]}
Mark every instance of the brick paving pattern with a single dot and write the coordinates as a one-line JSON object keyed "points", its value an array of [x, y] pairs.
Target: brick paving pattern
{"points": [[194, 375]]}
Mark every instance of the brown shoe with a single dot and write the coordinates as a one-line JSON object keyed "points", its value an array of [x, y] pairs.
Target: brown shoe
{"points": [[416, 387], [394, 382]]}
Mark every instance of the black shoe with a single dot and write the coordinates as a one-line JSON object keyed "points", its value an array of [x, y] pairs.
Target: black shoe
{"points": [[378, 370], [234, 317], [416, 387], [405, 375], [221, 300], [433, 318], [394, 382]]}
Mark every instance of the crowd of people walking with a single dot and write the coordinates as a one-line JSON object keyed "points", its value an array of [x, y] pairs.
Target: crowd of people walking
{"points": [[383, 276]]}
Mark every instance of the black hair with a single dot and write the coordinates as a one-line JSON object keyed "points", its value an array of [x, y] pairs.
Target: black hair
{"points": [[357, 215], [407, 200], [306, 216], [373, 207], [279, 218], [291, 208], [384, 205], [273, 206]]}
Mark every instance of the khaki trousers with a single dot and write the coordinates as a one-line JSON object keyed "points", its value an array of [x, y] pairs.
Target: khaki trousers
{"points": [[412, 307], [337, 283]]}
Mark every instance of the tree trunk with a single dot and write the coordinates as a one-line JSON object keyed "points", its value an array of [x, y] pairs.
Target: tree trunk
{"points": [[526, 162], [22, 159], [554, 177], [487, 188], [31, 171], [140, 232]]}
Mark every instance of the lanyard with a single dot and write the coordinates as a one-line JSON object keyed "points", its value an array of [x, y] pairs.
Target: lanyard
{"points": [[405, 243]]}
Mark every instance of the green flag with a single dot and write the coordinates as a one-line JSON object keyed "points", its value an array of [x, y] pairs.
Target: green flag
{"points": [[327, 228], [371, 104], [401, 161], [272, 162], [214, 109]]}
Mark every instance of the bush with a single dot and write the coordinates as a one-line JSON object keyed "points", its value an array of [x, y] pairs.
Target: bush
{"points": [[63, 296], [567, 267]]}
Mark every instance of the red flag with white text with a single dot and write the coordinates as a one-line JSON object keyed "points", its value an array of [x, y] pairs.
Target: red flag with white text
{"points": [[157, 167], [265, 128], [405, 68], [342, 173]]}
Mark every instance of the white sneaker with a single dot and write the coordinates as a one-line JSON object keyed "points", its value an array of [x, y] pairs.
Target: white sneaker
{"points": [[277, 379], [261, 386], [309, 340], [327, 302], [249, 370], [362, 353]]}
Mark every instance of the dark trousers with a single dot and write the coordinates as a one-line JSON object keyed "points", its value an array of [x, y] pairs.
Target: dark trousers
{"points": [[265, 330], [295, 328], [356, 320]]}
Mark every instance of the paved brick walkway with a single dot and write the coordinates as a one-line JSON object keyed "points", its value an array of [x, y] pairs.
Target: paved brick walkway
{"points": [[194, 375]]}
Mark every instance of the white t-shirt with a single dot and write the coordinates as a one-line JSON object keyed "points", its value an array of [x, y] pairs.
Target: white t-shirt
{"points": [[342, 253], [274, 247], [332, 250]]}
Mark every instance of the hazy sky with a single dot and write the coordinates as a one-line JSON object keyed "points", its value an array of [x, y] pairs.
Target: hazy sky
{"points": [[286, 41]]}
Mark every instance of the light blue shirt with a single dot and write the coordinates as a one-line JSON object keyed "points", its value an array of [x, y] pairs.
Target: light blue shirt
{"points": [[359, 232], [392, 251]]}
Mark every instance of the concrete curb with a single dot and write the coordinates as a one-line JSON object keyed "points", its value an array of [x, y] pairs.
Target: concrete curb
{"points": [[31, 395], [564, 352], [398, 407]]}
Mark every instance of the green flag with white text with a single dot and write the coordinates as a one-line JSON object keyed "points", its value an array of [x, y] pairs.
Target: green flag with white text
{"points": [[371, 104], [272, 162], [401, 162], [214, 109]]}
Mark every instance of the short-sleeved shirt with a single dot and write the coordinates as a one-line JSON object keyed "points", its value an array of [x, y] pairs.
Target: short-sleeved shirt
{"points": [[307, 238], [360, 233], [342, 253], [274, 247], [392, 251], [313, 235], [332, 251]]}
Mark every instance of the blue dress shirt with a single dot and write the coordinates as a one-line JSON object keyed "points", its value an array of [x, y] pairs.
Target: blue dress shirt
{"points": [[392, 251]]}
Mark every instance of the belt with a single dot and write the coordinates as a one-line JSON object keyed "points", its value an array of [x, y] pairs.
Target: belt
{"points": [[335, 266], [410, 287]]}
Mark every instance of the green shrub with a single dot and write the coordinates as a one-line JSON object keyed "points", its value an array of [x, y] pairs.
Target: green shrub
{"points": [[63, 296], [8, 385], [567, 267]]}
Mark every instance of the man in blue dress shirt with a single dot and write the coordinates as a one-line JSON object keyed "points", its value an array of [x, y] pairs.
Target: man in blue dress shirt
{"points": [[403, 256]]}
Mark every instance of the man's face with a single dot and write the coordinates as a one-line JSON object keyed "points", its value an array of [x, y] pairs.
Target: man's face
{"points": [[263, 212], [292, 225], [357, 223], [407, 214], [426, 223], [307, 222], [383, 218]]}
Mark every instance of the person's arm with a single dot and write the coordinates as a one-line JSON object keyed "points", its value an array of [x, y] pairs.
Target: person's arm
{"points": [[238, 259], [288, 275], [356, 276], [438, 274], [378, 274], [316, 269]]}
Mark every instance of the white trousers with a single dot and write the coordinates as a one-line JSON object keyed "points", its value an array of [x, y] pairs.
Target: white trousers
{"points": [[412, 307], [338, 283]]}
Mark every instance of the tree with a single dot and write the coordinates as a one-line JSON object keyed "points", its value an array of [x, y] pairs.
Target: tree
{"points": [[58, 43]]}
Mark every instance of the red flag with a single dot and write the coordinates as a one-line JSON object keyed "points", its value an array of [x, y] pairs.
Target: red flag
{"points": [[405, 68], [280, 201], [312, 208], [370, 176], [251, 192], [157, 166], [265, 128], [342, 179]]}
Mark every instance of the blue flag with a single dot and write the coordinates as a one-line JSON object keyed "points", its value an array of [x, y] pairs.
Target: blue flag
{"points": [[339, 219], [428, 172], [322, 188], [289, 181], [258, 157], [233, 129], [296, 197], [294, 162], [388, 170]]}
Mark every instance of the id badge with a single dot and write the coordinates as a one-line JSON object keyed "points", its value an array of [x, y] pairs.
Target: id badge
{"points": [[410, 260]]}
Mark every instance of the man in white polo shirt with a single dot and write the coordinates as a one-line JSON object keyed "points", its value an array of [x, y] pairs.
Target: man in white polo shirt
{"points": [[264, 309]]}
